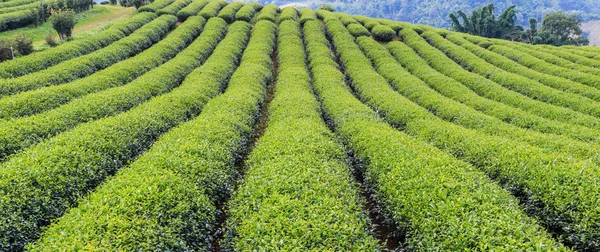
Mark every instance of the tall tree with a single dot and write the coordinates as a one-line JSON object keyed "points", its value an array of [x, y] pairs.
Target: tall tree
{"points": [[483, 22]]}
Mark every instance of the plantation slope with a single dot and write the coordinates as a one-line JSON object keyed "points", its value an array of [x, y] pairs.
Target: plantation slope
{"points": [[191, 169], [84, 150]]}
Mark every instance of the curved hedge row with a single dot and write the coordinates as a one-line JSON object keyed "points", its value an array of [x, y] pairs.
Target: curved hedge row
{"points": [[297, 193], [545, 67], [455, 112], [212, 8], [192, 9], [247, 12], [228, 12], [306, 14], [155, 6], [358, 30], [489, 89], [437, 202], [13, 3], [169, 201], [174, 8], [565, 54], [550, 58], [85, 65], [22, 132], [288, 13], [383, 33], [519, 84], [16, 19], [49, 57], [509, 65], [455, 90], [47, 98], [560, 191], [19, 8], [269, 12], [41, 183]]}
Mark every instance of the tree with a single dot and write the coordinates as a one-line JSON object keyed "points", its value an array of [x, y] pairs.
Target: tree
{"points": [[558, 29], [63, 22], [483, 22]]}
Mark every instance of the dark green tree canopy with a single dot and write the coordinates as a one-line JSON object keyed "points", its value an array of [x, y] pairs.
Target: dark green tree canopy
{"points": [[483, 22]]}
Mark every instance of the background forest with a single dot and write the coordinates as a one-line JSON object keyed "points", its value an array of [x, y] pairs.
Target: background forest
{"points": [[435, 12]]}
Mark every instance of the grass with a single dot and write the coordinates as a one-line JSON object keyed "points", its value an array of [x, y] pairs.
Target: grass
{"points": [[88, 22]]}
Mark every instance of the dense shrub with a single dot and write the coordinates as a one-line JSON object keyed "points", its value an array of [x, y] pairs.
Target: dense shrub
{"points": [[212, 8], [174, 7], [288, 13], [63, 22], [383, 33], [155, 6], [228, 12], [247, 12], [192, 9], [23, 44], [358, 30]]}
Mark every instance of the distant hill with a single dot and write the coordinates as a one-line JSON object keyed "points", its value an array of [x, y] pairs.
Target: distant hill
{"points": [[435, 12]]}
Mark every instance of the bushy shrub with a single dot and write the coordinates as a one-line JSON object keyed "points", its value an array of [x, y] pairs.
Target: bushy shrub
{"points": [[383, 33], [5, 50], [327, 7], [358, 30], [63, 22], [23, 44]]}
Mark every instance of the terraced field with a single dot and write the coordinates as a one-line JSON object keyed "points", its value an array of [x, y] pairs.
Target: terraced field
{"points": [[215, 126]]}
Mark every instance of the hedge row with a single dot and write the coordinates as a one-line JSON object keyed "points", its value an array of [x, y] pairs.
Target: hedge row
{"points": [[17, 19], [517, 83], [297, 193], [155, 6], [545, 67], [306, 14], [436, 201], [192, 9], [453, 89], [269, 12], [13, 3], [358, 30], [383, 33], [22, 132], [228, 12], [40, 184], [509, 65], [247, 12], [565, 54], [212, 8], [166, 199], [455, 112], [174, 8], [288, 13], [19, 8], [550, 58], [85, 65], [47, 98], [489, 89], [49, 57], [585, 53]]}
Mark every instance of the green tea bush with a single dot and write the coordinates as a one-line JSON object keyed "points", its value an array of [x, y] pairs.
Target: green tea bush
{"points": [[175, 185], [288, 13], [155, 6], [80, 155], [22, 132], [358, 30], [174, 8], [192, 9], [212, 8], [297, 192], [228, 12], [85, 65], [247, 12], [269, 12], [41, 60], [47, 98], [306, 14], [383, 33]]}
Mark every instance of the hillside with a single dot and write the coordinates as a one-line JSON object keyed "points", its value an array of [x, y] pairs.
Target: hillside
{"points": [[215, 126]]}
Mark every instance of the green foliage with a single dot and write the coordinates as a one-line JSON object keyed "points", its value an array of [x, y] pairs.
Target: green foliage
{"points": [[174, 8], [155, 6], [288, 13], [173, 188], [358, 30], [247, 12], [408, 175], [212, 9], [228, 12], [269, 13], [307, 14], [63, 22], [483, 22], [23, 44], [558, 29], [327, 7], [297, 192], [42, 99], [85, 65], [6, 52], [192, 9], [85, 150], [41, 60], [383, 33]]}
